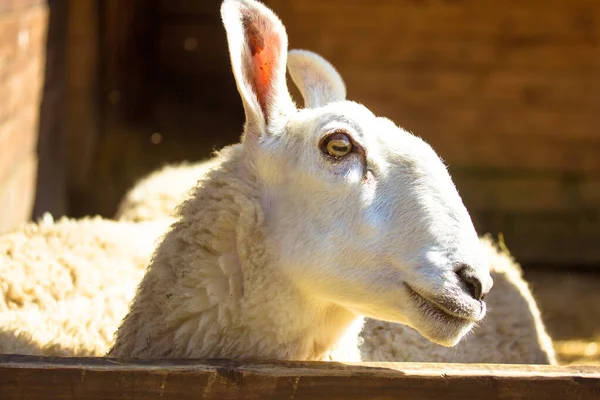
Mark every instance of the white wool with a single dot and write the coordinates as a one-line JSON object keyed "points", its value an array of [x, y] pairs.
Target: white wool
{"points": [[207, 306], [145, 202], [512, 332], [66, 284], [54, 314]]}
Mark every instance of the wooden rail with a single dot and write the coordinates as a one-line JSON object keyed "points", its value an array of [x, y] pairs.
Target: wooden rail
{"points": [[30, 377]]}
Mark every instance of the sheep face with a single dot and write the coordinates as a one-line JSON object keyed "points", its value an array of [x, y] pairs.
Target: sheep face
{"points": [[380, 230], [361, 213]]}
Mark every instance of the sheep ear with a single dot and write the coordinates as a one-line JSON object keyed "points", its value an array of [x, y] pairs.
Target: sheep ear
{"points": [[258, 51], [318, 81]]}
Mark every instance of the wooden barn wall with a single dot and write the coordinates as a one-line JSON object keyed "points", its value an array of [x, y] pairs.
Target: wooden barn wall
{"points": [[508, 93], [51, 187], [161, 92], [23, 28]]}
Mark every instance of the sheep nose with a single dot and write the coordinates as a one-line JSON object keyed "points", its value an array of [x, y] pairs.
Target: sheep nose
{"points": [[468, 275]]}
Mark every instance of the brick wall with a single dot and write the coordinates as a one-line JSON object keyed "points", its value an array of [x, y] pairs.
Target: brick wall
{"points": [[22, 62], [508, 93]]}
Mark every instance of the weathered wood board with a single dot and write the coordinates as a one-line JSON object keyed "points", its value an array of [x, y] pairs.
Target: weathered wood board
{"points": [[30, 377]]}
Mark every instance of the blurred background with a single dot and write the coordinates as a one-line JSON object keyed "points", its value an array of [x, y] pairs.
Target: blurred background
{"points": [[95, 94]]}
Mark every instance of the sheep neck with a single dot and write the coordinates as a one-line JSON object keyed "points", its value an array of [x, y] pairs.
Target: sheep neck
{"points": [[214, 288]]}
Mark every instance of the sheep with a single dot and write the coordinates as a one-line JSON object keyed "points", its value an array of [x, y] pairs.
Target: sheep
{"points": [[67, 281], [512, 333], [146, 202], [77, 336], [48, 261], [66, 284], [318, 216]]}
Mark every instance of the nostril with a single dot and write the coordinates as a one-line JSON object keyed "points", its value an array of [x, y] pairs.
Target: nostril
{"points": [[474, 287], [473, 284]]}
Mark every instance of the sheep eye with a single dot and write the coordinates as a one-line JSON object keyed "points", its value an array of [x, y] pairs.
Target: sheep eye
{"points": [[337, 145]]}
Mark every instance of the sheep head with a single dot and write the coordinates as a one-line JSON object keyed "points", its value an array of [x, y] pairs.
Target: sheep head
{"points": [[362, 213]]}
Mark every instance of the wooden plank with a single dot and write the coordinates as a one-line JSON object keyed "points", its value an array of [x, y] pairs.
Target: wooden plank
{"points": [[128, 40], [443, 53], [51, 185], [190, 50], [552, 239], [18, 138], [548, 239], [533, 152], [29, 377], [526, 192], [17, 194], [206, 8], [21, 87], [512, 96], [11, 5], [82, 123], [522, 194], [521, 24], [22, 35]]}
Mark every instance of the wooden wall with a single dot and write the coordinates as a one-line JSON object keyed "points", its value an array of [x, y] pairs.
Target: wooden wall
{"points": [[23, 27], [506, 92], [164, 94], [51, 187]]}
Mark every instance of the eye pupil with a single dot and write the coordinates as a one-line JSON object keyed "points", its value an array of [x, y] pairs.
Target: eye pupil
{"points": [[337, 145]]}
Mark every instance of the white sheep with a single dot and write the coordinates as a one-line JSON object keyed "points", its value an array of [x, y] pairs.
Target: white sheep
{"points": [[320, 215], [67, 284], [512, 333], [96, 263], [145, 201]]}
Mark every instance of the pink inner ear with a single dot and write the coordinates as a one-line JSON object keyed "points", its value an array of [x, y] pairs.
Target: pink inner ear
{"points": [[264, 52]]}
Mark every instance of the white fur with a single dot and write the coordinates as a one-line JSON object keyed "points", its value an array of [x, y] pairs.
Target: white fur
{"points": [[281, 248], [144, 202], [513, 331], [318, 81], [66, 286]]}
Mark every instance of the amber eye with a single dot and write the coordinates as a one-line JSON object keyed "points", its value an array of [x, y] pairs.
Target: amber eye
{"points": [[337, 145]]}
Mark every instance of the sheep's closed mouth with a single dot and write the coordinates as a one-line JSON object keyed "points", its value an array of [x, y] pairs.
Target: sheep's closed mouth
{"points": [[432, 308]]}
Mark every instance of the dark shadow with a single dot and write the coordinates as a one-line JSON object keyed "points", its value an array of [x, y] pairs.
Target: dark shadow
{"points": [[51, 186]]}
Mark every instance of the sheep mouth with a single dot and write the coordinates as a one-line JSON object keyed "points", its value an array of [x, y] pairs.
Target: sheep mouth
{"points": [[432, 308]]}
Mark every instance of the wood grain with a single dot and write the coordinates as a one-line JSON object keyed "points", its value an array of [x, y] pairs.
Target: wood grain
{"points": [[29, 377]]}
